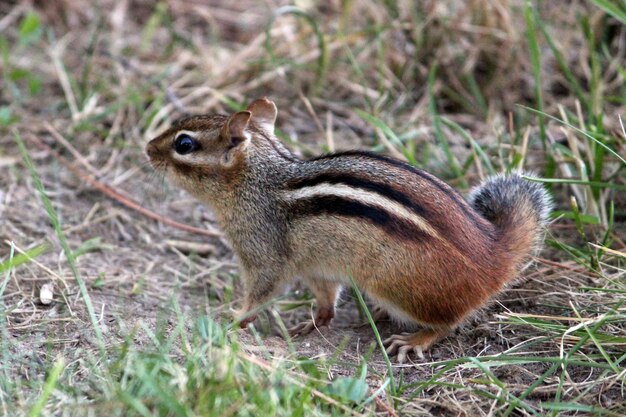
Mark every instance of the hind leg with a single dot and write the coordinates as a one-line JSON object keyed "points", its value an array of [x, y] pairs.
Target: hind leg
{"points": [[325, 295], [402, 344]]}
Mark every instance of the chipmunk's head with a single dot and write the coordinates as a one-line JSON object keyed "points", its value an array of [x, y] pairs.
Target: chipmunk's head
{"points": [[203, 150]]}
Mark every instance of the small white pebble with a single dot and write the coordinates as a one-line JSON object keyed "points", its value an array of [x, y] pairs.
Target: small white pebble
{"points": [[46, 294]]}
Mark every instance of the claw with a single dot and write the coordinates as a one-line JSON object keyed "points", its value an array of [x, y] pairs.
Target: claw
{"points": [[323, 317], [419, 352], [404, 343], [302, 329], [402, 353]]}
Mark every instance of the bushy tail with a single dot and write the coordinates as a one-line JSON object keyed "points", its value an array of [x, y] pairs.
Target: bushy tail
{"points": [[518, 208]]}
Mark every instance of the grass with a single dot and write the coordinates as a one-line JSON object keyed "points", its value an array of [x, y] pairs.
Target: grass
{"points": [[71, 258], [204, 373], [139, 326]]}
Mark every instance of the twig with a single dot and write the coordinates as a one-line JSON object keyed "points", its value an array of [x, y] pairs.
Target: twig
{"points": [[64, 80], [558, 264], [67, 145], [40, 265]]}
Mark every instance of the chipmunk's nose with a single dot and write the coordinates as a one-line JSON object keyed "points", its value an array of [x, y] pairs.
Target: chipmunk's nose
{"points": [[151, 150]]}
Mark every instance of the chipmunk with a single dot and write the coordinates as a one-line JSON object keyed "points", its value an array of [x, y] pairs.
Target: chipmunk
{"points": [[407, 239]]}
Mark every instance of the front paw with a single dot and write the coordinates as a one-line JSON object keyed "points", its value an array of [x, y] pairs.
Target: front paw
{"points": [[302, 329], [322, 318], [245, 319]]}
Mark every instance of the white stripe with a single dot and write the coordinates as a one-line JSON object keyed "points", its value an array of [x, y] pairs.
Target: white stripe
{"points": [[365, 197], [186, 132]]}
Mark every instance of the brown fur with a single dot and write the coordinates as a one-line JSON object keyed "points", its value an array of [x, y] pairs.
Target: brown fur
{"points": [[435, 276]]}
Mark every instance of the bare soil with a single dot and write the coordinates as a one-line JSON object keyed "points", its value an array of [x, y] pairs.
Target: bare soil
{"points": [[133, 270]]}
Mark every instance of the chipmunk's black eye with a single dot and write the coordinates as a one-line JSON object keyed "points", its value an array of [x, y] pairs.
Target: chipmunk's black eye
{"points": [[185, 144]]}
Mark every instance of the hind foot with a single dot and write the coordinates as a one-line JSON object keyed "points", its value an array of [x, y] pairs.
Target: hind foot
{"points": [[402, 344]]}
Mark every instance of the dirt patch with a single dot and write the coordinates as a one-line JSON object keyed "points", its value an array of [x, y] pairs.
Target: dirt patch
{"points": [[104, 82]]}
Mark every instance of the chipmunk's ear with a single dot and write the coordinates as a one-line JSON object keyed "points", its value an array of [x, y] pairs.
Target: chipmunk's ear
{"points": [[237, 135], [263, 113]]}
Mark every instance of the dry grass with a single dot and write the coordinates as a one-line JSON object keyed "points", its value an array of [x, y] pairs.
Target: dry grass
{"points": [[89, 83]]}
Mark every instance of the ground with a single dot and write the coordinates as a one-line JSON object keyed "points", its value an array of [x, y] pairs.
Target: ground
{"points": [[444, 85]]}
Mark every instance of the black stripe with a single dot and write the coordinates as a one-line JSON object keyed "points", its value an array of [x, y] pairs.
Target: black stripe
{"points": [[357, 182], [340, 206], [440, 185]]}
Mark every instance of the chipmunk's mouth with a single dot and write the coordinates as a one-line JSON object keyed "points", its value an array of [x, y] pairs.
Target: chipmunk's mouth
{"points": [[159, 164]]}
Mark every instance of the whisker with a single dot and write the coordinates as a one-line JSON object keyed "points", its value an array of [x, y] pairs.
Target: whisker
{"points": [[155, 182]]}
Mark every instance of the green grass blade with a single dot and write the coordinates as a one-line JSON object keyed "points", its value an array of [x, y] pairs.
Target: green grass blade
{"points": [[7, 276], [612, 8], [22, 258], [479, 150], [580, 408], [393, 138], [535, 59], [617, 187], [532, 387], [322, 60], [571, 79], [51, 382], [54, 219], [379, 340], [441, 138], [585, 133], [134, 403], [504, 392], [470, 79]]}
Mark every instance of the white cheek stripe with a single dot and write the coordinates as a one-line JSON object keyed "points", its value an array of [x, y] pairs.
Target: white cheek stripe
{"points": [[186, 132], [366, 197]]}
